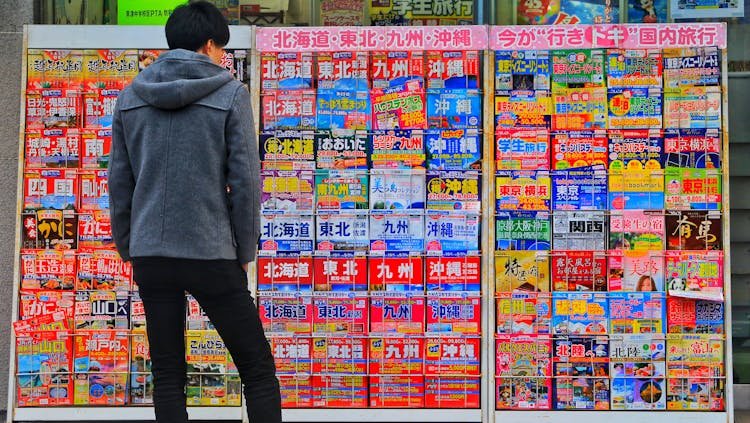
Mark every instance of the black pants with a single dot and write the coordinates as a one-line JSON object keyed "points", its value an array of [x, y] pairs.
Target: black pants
{"points": [[220, 286]]}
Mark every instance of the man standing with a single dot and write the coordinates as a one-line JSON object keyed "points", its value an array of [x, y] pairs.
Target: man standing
{"points": [[184, 184]]}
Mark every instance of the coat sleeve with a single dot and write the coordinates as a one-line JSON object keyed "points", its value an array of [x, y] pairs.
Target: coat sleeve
{"points": [[243, 176], [121, 186]]}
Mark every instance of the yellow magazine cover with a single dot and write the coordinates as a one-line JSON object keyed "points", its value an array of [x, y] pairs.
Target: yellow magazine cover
{"points": [[522, 271]]}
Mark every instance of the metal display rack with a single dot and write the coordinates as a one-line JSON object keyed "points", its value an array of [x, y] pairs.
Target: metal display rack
{"points": [[114, 37]]}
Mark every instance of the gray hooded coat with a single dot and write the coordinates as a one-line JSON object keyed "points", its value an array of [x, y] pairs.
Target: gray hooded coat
{"points": [[184, 178]]}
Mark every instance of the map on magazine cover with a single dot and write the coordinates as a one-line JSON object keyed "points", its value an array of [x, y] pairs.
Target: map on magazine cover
{"points": [[576, 313], [634, 68], [453, 149], [341, 149], [694, 230], [579, 230], [636, 230], [522, 70], [522, 271], [581, 369], [686, 315], [523, 312], [637, 312], [522, 190], [638, 369], [522, 149], [522, 230]]}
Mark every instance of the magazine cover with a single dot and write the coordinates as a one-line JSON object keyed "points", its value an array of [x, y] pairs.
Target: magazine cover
{"points": [[449, 70], [576, 230], [578, 149], [286, 71], [109, 69], [451, 313], [95, 229], [396, 391], [691, 67], [452, 392], [287, 150], [450, 274], [453, 149], [94, 190], [454, 109], [341, 190], [196, 318], [698, 148], [396, 273], [55, 322], [393, 68], [693, 108], [236, 62], [98, 107], [692, 189], [341, 149], [397, 190], [579, 270], [102, 310], [522, 230], [637, 368], [636, 270], [397, 149], [286, 191], [49, 229], [522, 70], [637, 312], [636, 178], [292, 355], [50, 189], [694, 230], [288, 110], [523, 312], [522, 271], [397, 356], [453, 356], [285, 313], [522, 149], [523, 370], [47, 269], [581, 369], [343, 70], [686, 315], [580, 189], [403, 233], [634, 107], [579, 109], [296, 391], [456, 191], [340, 313], [141, 380], [54, 108], [54, 69], [577, 68], [102, 269], [211, 380], [636, 230], [397, 313], [286, 233], [575, 313], [695, 371], [101, 365], [286, 274], [340, 273], [340, 355], [695, 274], [44, 360], [37, 304], [399, 107], [95, 148], [524, 109], [634, 68], [52, 148], [340, 391], [522, 190], [342, 232], [343, 109]]}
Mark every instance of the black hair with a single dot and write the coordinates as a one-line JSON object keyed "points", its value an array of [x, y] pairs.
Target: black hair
{"points": [[191, 25]]}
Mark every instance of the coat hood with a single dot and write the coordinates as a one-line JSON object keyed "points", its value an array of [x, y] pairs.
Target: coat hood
{"points": [[179, 78]]}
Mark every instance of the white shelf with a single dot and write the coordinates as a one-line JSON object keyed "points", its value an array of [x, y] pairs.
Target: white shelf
{"points": [[610, 416], [380, 415], [57, 414]]}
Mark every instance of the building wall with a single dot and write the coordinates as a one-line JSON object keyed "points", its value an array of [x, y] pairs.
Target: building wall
{"points": [[13, 15]]}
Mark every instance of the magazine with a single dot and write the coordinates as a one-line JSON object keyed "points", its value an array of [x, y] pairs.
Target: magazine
{"points": [[577, 68], [50, 229], [637, 312], [296, 391], [37, 304], [637, 368], [54, 69], [691, 67], [287, 233], [109, 69], [693, 189], [287, 150], [522, 230], [695, 274], [685, 315], [579, 149], [94, 229], [342, 232], [522, 190], [50, 189], [342, 313], [396, 273], [286, 71], [523, 109], [397, 313], [693, 108], [452, 70], [47, 269], [286, 274], [341, 191], [581, 370], [453, 149], [523, 372], [102, 270], [454, 109], [636, 230], [397, 356], [400, 107], [397, 391], [343, 70], [452, 392], [340, 355], [696, 148], [102, 310], [695, 372], [575, 313], [340, 273], [582, 270], [634, 68], [211, 379], [694, 230], [393, 68], [523, 312], [101, 366], [334, 391], [52, 148], [449, 232], [285, 313], [522, 271], [343, 109], [580, 189], [453, 356], [287, 109], [397, 189], [285, 191], [522, 149], [522, 70], [460, 273], [98, 107], [636, 179], [634, 107], [341, 149], [95, 148], [579, 230], [292, 355], [44, 361], [397, 149], [636, 270], [453, 313], [397, 233], [579, 109]]}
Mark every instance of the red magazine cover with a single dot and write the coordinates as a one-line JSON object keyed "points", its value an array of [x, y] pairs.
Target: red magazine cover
{"points": [[397, 312], [98, 107], [453, 273], [452, 392], [397, 356], [296, 391], [41, 303], [50, 188], [454, 313], [394, 67], [103, 269], [47, 269], [52, 148], [397, 391], [340, 355], [453, 356], [94, 190], [287, 274], [101, 367], [340, 273], [96, 145], [292, 355], [44, 363], [452, 69], [285, 313], [396, 274], [340, 312], [340, 391], [579, 271], [95, 229]]}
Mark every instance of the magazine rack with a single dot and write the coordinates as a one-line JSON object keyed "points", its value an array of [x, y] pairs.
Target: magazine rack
{"points": [[483, 40]]}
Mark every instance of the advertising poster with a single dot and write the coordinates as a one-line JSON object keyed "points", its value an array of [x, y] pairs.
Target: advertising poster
{"points": [[568, 12], [647, 11]]}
